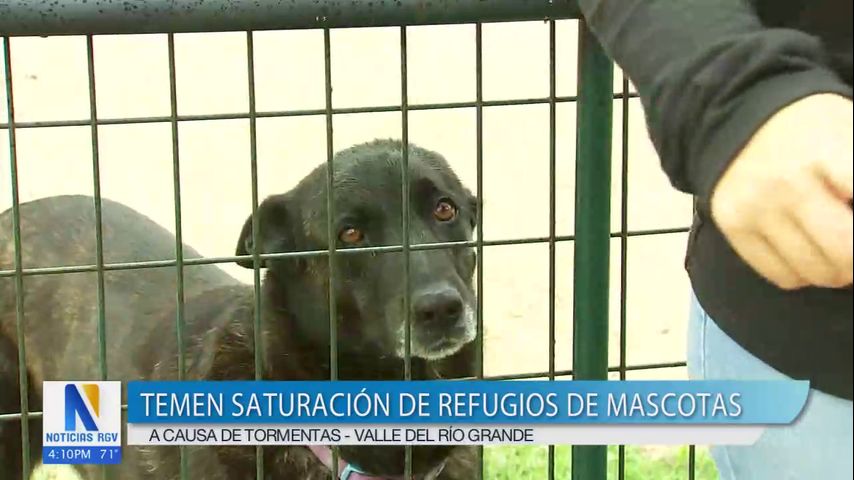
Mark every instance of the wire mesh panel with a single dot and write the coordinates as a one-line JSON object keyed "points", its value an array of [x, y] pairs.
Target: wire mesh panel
{"points": [[592, 233]]}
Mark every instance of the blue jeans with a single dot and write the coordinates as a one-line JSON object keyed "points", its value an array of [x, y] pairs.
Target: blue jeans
{"points": [[818, 445]]}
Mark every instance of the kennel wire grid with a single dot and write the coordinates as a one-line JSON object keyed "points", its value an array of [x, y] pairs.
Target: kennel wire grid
{"points": [[593, 167]]}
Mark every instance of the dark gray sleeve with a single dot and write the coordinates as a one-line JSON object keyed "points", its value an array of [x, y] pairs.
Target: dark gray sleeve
{"points": [[708, 74]]}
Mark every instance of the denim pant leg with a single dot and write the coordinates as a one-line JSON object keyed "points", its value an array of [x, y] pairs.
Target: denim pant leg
{"points": [[818, 445]]}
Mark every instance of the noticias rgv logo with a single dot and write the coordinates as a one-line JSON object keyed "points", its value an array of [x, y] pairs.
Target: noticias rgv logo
{"points": [[76, 408], [81, 422], [82, 409]]}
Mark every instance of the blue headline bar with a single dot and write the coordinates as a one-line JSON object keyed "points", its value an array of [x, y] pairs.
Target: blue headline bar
{"points": [[498, 402]]}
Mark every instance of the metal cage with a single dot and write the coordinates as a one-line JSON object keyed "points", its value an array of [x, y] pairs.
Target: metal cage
{"points": [[595, 100]]}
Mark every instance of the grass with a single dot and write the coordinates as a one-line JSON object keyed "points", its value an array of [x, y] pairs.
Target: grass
{"points": [[531, 463], [642, 463]]}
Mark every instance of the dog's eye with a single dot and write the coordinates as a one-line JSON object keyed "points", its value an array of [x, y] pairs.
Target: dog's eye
{"points": [[351, 235], [445, 211]]}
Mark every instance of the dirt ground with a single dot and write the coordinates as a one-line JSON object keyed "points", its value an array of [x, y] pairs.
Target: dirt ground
{"points": [[50, 83]]}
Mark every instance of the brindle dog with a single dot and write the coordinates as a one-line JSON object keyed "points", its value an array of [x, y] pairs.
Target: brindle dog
{"points": [[61, 311]]}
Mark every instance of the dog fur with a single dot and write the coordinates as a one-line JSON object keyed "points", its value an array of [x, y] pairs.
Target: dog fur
{"points": [[61, 311]]}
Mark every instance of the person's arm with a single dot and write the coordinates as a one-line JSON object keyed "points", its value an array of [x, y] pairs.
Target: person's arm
{"points": [[708, 74], [714, 81]]}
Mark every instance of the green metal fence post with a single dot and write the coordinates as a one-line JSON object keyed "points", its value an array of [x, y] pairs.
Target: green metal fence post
{"points": [[18, 272], [592, 232]]}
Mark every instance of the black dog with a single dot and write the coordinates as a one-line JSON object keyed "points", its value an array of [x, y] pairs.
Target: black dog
{"points": [[61, 310]]}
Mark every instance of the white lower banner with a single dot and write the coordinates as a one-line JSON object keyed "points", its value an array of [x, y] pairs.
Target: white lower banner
{"points": [[460, 434]]}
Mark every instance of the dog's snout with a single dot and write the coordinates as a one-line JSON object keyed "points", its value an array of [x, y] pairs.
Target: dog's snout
{"points": [[440, 307]]}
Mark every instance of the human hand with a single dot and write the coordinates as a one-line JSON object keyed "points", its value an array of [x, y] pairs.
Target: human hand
{"points": [[784, 203]]}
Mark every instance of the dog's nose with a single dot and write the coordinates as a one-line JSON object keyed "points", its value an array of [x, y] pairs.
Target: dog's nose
{"points": [[438, 307]]}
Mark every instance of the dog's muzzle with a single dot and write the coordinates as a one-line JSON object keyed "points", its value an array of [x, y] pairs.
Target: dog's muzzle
{"points": [[348, 471]]}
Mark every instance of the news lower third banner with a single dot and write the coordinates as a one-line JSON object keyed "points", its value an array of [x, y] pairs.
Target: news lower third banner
{"points": [[458, 412]]}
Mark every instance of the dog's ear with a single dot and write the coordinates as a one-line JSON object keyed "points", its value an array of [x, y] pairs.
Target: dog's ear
{"points": [[274, 231]]}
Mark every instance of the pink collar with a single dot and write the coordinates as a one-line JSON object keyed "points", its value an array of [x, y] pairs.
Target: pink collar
{"points": [[347, 471]]}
